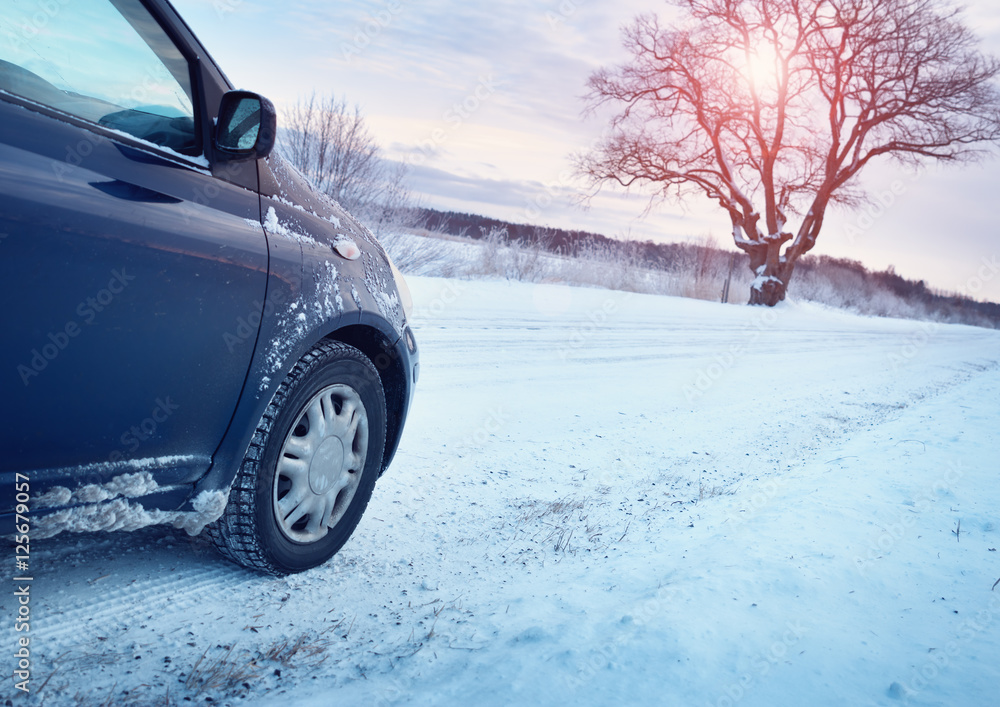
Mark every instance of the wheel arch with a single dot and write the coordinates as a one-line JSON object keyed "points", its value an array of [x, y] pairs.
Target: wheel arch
{"points": [[394, 356], [391, 365]]}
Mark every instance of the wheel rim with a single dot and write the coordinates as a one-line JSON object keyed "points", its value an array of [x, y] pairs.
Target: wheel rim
{"points": [[320, 464]]}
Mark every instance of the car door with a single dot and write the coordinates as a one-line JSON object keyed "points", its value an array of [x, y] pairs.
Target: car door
{"points": [[132, 278]]}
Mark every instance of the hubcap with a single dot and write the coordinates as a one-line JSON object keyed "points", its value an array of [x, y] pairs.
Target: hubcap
{"points": [[327, 465], [320, 464]]}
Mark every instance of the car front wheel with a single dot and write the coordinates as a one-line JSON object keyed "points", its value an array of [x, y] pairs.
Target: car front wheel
{"points": [[311, 466]]}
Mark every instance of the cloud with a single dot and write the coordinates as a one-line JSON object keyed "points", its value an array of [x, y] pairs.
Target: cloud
{"points": [[506, 197], [558, 205]]}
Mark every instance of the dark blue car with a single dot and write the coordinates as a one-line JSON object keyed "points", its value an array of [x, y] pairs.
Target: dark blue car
{"points": [[191, 333]]}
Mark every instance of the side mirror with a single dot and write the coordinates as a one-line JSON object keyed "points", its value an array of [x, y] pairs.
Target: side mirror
{"points": [[247, 126]]}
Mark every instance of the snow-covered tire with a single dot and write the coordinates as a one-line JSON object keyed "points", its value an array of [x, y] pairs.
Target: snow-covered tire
{"points": [[311, 466]]}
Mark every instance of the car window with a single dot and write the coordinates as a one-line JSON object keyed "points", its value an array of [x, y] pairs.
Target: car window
{"points": [[106, 62]]}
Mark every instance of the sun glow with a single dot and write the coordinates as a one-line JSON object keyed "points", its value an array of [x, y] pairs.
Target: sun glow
{"points": [[761, 68]]}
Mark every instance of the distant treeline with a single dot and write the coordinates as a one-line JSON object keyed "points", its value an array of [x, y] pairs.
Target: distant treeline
{"points": [[665, 256], [564, 242], [554, 240]]}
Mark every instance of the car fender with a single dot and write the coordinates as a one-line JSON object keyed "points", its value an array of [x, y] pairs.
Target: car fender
{"points": [[313, 293]]}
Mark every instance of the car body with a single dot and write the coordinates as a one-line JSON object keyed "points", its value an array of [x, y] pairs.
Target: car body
{"points": [[164, 272]]}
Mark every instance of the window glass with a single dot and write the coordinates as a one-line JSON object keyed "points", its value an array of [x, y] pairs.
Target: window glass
{"points": [[109, 63]]}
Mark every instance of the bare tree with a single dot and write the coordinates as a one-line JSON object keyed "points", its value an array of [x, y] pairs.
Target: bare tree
{"points": [[780, 104], [390, 203], [328, 141]]}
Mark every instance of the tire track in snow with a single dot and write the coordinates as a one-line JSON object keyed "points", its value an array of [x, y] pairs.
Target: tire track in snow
{"points": [[81, 617]]}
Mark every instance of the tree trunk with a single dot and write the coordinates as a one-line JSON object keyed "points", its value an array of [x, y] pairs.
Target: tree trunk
{"points": [[768, 290], [771, 283]]}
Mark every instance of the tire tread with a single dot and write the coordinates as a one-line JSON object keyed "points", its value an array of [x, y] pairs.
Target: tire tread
{"points": [[235, 534]]}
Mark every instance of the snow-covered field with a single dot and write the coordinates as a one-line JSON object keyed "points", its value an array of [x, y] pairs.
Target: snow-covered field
{"points": [[600, 498]]}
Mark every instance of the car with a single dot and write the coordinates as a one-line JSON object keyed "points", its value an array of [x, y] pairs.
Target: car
{"points": [[193, 335]]}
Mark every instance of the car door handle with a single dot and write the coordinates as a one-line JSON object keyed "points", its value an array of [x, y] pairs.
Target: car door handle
{"points": [[133, 192]]}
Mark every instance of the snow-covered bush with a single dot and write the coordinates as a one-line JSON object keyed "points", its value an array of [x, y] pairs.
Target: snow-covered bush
{"points": [[697, 271]]}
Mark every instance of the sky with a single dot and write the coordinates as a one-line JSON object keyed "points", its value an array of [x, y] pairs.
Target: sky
{"points": [[485, 102]]}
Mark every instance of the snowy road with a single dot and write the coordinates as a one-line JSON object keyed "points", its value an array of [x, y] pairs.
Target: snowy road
{"points": [[601, 498]]}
